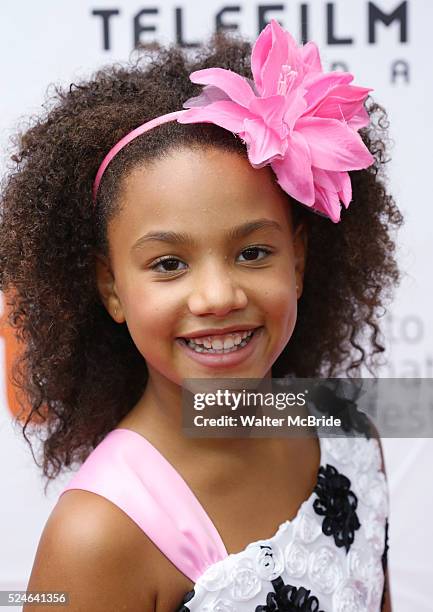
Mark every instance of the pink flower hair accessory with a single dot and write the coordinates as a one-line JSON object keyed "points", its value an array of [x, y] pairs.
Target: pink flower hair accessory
{"points": [[292, 115]]}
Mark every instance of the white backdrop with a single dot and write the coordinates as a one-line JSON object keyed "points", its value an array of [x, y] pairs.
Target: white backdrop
{"points": [[387, 44]]}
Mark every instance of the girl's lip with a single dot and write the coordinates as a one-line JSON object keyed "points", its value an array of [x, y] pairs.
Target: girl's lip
{"points": [[215, 360]]}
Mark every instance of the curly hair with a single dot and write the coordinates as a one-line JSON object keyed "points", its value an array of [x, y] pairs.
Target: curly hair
{"points": [[79, 372]]}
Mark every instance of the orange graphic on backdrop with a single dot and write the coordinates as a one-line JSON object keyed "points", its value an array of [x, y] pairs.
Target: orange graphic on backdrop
{"points": [[11, 349]]}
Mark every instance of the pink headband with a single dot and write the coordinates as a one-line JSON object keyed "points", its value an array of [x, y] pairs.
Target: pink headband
{"points": [[292, 115]]}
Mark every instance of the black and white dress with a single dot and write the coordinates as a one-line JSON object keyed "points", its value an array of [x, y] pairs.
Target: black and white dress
{"points": [[330, 558]]}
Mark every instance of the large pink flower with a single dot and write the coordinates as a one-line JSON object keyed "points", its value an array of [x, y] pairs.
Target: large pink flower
{"points": [[293, 116]]}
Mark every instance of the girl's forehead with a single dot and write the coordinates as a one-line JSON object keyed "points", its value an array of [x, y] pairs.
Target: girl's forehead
{"points": [[200, 187]]}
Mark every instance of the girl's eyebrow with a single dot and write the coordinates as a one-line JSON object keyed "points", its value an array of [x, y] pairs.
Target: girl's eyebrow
{"points": [[239, 231]]}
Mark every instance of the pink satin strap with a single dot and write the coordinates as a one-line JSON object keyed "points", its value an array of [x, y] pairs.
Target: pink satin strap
{"points": [[132, 474]]}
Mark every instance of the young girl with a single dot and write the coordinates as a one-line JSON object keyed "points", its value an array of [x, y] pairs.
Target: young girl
{"points": [[192, 250]]}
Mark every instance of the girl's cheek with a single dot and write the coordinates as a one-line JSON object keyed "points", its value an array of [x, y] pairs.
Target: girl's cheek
{"points": [[280, 292], [281, 306], [154, 309]]}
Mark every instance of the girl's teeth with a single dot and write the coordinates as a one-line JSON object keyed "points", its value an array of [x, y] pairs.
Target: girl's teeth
{"points": [[219, 343], [219, 346]]}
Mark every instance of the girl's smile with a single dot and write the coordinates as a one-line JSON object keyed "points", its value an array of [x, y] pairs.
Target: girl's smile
{"points": [[203, 251], [227, 353]]}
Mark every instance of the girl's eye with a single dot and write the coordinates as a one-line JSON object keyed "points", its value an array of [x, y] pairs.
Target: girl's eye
{"points": [[251, 252], [167, 265]]}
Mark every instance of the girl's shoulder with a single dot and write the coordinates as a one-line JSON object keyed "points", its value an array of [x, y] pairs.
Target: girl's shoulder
{"points": [[93, 550], [128, 471], [119, 508], [94, 543]]}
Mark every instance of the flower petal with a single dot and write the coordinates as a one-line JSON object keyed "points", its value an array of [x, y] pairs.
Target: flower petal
{"points": [[342, 103], [311, 57], [334, 145], [328, 203], [259, 54], [294, 174], [271, 110], [360, 120], [295, 107], [320, 85], [226, 114], [337, 182], [327, 179], [232, 83], [345, 194], [263, 144], [209, 94], [278, 56]]}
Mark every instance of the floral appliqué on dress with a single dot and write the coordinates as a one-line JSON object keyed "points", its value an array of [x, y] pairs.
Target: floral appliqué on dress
{"points": [[337, 503], [288, 598]]}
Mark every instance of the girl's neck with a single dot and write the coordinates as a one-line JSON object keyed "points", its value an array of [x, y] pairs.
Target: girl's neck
{"points": [[158, 417]]}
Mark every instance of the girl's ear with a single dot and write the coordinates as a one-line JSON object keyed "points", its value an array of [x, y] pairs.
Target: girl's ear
{"points": [[107, 289], [300, 241]]}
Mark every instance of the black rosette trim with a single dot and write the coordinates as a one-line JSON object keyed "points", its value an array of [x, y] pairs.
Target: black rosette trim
{"points": [[337, 503], [187, 597], [331, 402], [288, 598]]}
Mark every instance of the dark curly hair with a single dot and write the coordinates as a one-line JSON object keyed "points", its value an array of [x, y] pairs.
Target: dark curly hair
{"points": [[79, 372]]}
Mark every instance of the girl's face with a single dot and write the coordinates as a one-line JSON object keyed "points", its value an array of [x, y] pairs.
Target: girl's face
{"points": [[203, 242]]}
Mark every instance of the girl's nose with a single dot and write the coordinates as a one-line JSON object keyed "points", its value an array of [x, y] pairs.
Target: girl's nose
{"points": [[216, 293]]}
